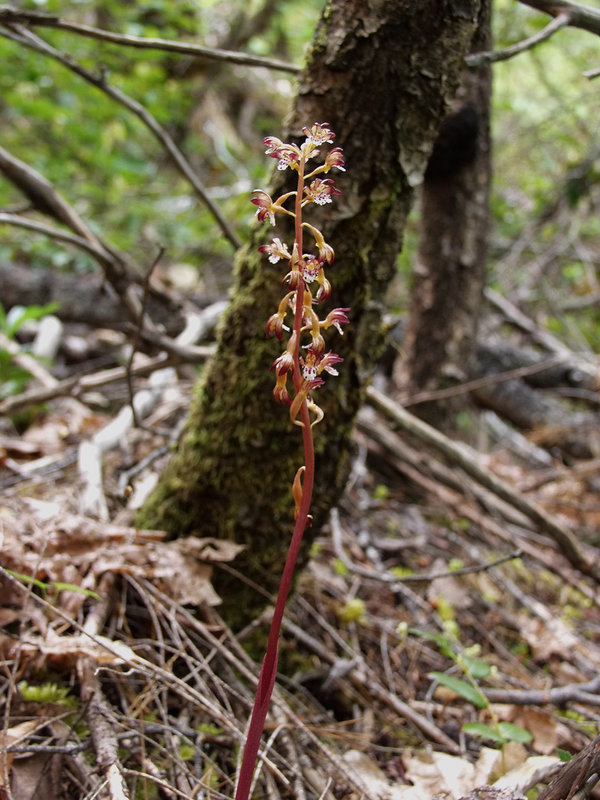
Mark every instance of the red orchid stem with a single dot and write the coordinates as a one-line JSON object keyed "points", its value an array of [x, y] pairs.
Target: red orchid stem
{"points": [[268, 671]]}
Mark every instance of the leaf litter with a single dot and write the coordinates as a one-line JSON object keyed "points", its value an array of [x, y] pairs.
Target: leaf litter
{"points": [[358, 712]]}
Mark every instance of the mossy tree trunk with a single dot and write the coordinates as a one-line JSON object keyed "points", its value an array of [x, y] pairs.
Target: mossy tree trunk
{"points": [[382, 74], [449, 274]]}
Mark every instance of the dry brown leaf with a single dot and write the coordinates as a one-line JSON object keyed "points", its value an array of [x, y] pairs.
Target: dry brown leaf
{"points": [[64, 651], [543, 727], [18, 733], [31, 778], [71, 549], [451, 776], [548, 640], [533, 770], [453, 590]]}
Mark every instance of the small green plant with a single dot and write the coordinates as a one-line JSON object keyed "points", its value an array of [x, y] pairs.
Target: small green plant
{"points": [[299, 368], [473, 670], [51, 587], [14, 379], [47, 693]]}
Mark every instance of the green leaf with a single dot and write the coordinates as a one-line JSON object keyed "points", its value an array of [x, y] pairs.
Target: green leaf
{"points": [[442, 641], [513, 733], [484, 731], [30, 312], [462, 688], [71, 587], [477, 669], [564, 755]]}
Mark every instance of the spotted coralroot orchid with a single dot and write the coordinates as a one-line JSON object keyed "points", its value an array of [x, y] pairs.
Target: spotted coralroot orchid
{"points": [[300, 367], [305, 272]]}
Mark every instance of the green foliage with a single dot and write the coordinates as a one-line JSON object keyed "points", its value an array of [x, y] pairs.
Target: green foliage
{"points": [[474, 670], [10, 326], [51, 586], [106, 162], [381, 492], [14, 379], [47, 693], [352, 611], [501, 733], [462, 688]]}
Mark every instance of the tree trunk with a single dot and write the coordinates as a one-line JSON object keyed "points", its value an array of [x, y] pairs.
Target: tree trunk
{"points": [[448, 280], [382, 74]]}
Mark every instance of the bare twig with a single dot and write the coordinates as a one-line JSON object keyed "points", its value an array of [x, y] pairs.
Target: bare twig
{"points": [[389, 577], [136, 338], [23, 36], [11, 16], [574, 692], [97, 712], [480, 59], [478, 383], [54, 233], [46, 199], [580, 16], [574, 774], [563, 536], [363, 677]]}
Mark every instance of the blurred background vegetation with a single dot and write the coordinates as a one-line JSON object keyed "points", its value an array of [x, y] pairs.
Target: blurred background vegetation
{"points": [[546, 229]]}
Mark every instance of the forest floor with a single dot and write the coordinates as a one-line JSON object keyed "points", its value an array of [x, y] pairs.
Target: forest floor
{"points": [[444, 636]]}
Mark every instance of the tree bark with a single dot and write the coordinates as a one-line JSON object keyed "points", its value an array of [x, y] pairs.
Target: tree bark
{"points": [[448, 279], [382, 74]]}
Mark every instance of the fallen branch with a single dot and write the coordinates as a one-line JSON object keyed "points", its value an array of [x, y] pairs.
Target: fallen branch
{"points": [[413, 425], [587, 693], [44, 197], [97, 710]]}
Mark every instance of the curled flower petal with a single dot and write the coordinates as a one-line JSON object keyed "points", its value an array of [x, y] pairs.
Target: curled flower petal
{"points": [[326, 254], [337, 317], [276, 250], [275, 326], [266, 206], [324, 291], [319, 133], [284, 363], [280, 393], [320, 191], [335, 158], [327, 361], [288, 154], [317, 411]]}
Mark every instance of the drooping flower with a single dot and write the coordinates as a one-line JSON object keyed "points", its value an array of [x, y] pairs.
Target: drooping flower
{"points": [[266, 206], [334, 158], [276, 250], [327, 361], [275, 322], [283, 363], [320, 191], [326, 253], [337, 318], [288, 154], [324, 290]]}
